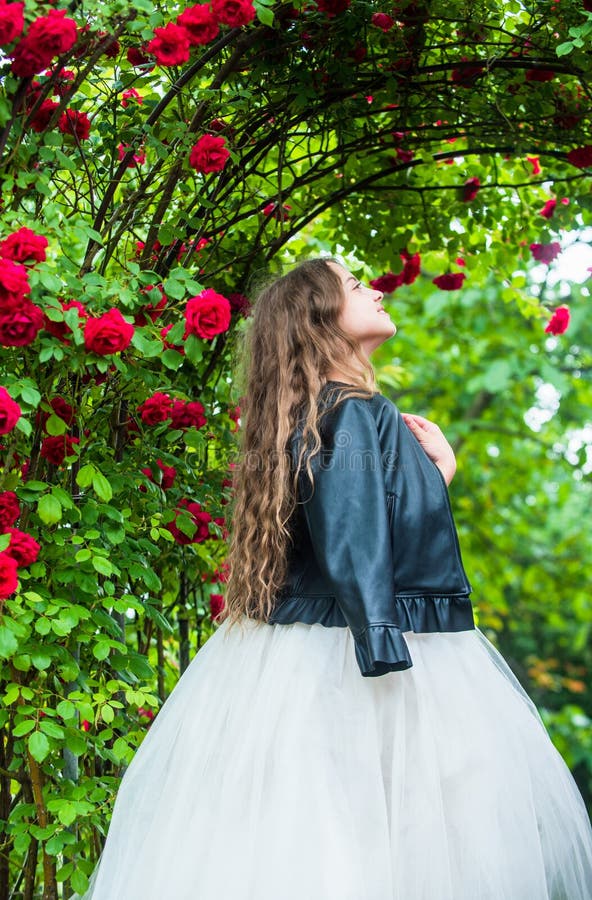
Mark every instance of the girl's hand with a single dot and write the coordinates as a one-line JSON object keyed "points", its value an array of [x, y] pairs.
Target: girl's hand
{"points": [[434, 443]]}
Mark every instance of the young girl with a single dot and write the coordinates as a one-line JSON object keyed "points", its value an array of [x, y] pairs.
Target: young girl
{"points": [[347, 733]]}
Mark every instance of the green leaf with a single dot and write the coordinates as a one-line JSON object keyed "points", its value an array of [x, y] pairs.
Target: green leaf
{"points": [[564, 48], [172, 359], [101, 650], [62, 496], [85, 474], [52, 729], [55, 425], [193, 349], [38, 746], [31, 395], [49, 509], [40, 659], [101, 486], [24, 727], [25, 426], [102, 565], [79, 881], [67, 813], [66, 709], [264, 14], [75, 742], [8, 642]]}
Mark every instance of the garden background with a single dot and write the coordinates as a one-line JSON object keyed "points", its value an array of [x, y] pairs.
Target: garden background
{"points": [[158, 161]]}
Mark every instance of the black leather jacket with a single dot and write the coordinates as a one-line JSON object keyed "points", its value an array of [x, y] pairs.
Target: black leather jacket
{"points": [[375, 546]]}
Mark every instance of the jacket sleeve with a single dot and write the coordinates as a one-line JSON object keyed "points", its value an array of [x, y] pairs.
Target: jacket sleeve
{"points": [[347, 517]]}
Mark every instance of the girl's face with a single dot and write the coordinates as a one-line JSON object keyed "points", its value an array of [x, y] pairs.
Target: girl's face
{"points": [[362, 315]]}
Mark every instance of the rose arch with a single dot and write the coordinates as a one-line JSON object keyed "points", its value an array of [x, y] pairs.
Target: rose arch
{"points": [[156, 162]]}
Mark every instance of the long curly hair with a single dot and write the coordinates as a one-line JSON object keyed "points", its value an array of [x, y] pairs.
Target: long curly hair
{"points": [[291, 340]]}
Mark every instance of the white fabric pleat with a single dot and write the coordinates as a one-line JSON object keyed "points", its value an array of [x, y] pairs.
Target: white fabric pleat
{"points": [[276, 771]]}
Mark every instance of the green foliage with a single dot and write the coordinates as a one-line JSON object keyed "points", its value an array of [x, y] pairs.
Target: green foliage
{"points": [[361, 140]]}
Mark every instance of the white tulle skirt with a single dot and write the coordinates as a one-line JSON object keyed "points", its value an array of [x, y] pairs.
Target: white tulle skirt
{"points": [[276, 771]]}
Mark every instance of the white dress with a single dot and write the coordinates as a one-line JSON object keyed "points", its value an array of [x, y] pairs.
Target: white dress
{"points": [[276, 771]]}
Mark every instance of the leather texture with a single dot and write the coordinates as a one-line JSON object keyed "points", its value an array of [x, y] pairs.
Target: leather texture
{"points": [[375, 546]]}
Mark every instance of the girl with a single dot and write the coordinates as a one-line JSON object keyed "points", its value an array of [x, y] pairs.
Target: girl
{"points": [[347, 733]]}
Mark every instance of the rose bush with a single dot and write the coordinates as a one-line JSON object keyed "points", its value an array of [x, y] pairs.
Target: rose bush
{"points": [[156, 161]]}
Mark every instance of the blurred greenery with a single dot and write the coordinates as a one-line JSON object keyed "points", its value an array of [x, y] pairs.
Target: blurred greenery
{"points": [[344, 139]]}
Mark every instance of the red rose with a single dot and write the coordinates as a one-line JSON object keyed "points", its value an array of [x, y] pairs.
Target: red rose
{"points": [[22, 245], [387, 283], [54, 33], [200, 519], [200, 24], [21, 325], [138, 56], [40, 120], [382, 21], [131, 94], [548, 209], [111, 46], [9, 509], [187, 415], [8, 576], [72, 121], [170, 45], [169, 473], [280, 213], [60, 329], [108, 333], [451, 281], [216, 605], [405, 156], [235, 12], [63, 81], [14, 282], [48, 36], [151, 311], [234, 414], [207, 315], [55, 448], [27, 60], [10, 411], [12, 22], [209, 154], [546, 253], [137, 159], [466, 76], [559, 321], [333, 7], [411, 266], [581, 157], [155, 409], [540, 75], [60, 408], [536, 166], [239, 304], [470, 189], [23, 548], [359, 53], [167, 344]]}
